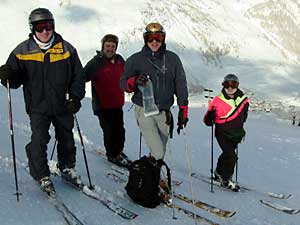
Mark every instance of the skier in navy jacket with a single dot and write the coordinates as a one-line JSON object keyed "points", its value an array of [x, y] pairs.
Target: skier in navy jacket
{"points": [[49, 69]]}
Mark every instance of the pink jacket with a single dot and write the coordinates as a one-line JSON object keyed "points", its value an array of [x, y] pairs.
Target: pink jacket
{"points": [[229, 110]]}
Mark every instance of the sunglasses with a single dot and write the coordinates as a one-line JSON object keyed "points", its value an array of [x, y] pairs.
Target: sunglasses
{"points": [[232, 84], [156, 37], [47, 25]]}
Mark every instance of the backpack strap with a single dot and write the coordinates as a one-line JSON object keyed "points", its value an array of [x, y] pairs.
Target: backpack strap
{"points": [[163, 163]]}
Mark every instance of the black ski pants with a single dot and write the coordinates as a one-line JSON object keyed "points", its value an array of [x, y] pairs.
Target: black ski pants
{"points": [[228, 158], [36, 150], [112, 124]]}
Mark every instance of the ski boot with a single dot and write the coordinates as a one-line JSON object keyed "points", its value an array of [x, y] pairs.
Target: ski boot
{"points": [[217, 177], [233, 186], [70, 176], [226, 183], [47, 186], [121, 160]]}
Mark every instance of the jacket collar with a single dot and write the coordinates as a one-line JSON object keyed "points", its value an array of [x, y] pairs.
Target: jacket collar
{"points": [[237, 94], [33, 45], [101, 55]]}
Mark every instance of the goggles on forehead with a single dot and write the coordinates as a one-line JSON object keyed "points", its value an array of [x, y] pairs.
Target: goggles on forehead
{"points": [[159, 37], [47, 25], [232, 84]]}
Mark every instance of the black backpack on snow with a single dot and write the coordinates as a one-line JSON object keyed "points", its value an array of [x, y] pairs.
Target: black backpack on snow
{"points": [[143, 181]]}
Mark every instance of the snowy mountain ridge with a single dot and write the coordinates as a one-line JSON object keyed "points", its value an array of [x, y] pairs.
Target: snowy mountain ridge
{"points": [[257, 39]]}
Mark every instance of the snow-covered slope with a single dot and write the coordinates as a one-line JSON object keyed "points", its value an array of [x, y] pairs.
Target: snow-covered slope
{"points": [[255, 39], [268, 161], [258, 40]]}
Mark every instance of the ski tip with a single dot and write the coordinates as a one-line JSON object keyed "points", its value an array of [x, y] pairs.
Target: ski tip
{"points": [[287, 196], [279, 196], [127, 216], [284, 209], [231, 214]]}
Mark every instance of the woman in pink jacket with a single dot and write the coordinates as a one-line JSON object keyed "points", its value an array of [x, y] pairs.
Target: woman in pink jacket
{"points": [[228, 111]]}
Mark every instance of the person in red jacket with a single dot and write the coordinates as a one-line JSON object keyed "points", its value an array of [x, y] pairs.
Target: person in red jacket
{"points": [[229, 112], [104, 72]]}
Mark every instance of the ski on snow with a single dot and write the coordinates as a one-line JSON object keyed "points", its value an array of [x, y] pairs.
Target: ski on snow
{"points": [[187, 212], [280, 207], [92, 193], [69, 217], [192, 214], [206, 179], [205, 206]]}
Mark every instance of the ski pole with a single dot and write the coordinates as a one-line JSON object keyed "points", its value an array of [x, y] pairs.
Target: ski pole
{"points": [[236, 165], [212, 154], [212, 158], [140, 152], [12, 140], [172, 186], [188, 159], [209, 97], [83, 151], [54, 146]]}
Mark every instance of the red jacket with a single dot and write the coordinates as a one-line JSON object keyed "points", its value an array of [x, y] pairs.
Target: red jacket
{"points": [[105, 78]]}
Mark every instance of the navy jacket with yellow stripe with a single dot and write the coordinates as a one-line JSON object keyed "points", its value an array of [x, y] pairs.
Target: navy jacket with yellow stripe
{"points": [[47, 76]]}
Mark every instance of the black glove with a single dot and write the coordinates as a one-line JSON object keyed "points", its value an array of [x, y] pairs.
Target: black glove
{"points": [[141, 80], [73, 105], [6, 72], [182, 118], [211, 115]]}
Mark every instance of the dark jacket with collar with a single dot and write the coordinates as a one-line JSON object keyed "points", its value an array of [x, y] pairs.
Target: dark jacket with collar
{"points": [[166, 73], [47, 76], [105, 78]]}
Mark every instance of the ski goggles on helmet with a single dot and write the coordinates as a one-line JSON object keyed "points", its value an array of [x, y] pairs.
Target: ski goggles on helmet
{"points": [[46, 25], [231, 83], [159, 37]]}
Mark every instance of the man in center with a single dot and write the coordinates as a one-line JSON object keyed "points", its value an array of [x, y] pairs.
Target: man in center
{"points": [[104, 72], [165, 70]]}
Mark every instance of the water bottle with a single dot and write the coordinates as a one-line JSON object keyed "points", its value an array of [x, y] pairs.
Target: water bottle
{"points": [[150, 108]]}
